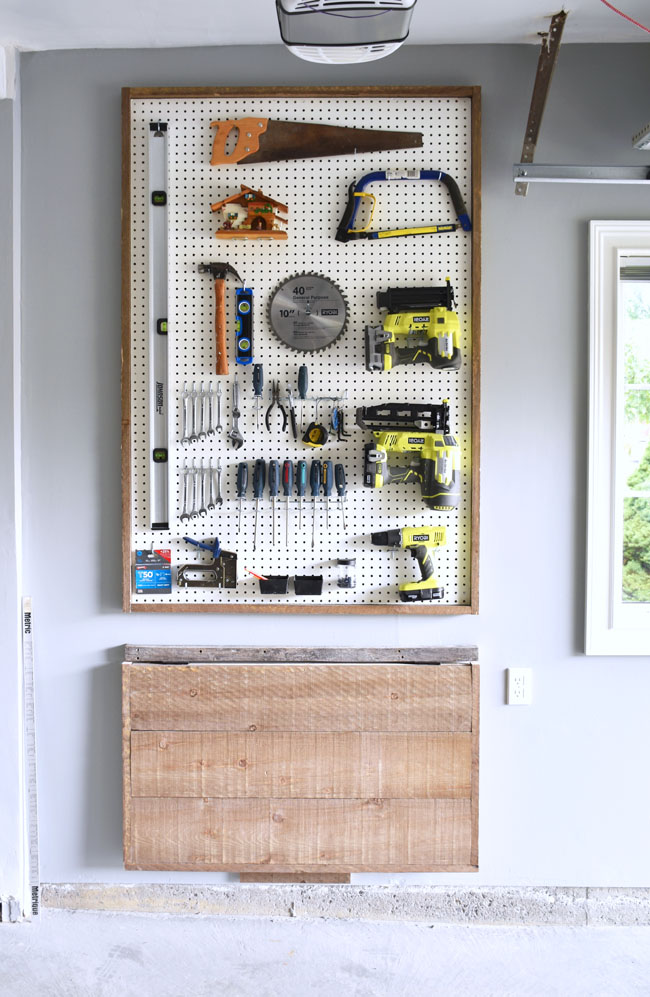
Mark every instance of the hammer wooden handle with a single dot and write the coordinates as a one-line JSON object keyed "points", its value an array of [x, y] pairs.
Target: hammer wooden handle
{"points": [[220, 324]]}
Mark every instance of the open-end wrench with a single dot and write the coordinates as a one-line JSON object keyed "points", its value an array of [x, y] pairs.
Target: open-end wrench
{"points": [[185, 402], [211, 490], [202, 400], [195, 417], [186, 493], [235, 435], [219, 427], [210, 410], [219, 498], [194, 471], [202, 509]]}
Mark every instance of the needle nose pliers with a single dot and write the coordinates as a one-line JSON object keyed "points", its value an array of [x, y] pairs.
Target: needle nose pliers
{"points": [[275, 400]]}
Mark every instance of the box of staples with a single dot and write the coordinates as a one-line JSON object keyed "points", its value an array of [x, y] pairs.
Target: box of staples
{"points": [[153, 571]]}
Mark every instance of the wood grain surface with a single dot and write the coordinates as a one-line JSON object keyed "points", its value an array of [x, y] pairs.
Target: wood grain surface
{"points": [[294, 765], [183, 654], [339, 835], [301, 770], [301, 698]]}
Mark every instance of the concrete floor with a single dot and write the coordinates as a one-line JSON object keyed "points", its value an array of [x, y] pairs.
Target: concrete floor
{"points": [[88, 954]]}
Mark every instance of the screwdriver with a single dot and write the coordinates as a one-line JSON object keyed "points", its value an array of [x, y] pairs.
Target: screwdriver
{"points": [[274, 487], [339, 475], [258, 385], [315, 478], [242, 485], [303, 384], [259, 479], [302, 487], [328, 481], [287, 488]]}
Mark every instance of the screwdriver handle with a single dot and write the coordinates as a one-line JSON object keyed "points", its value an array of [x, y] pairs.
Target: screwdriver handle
{"points": [[315, 477], [242, 479], [259, 479], [287, 477], [302, 477], [339, 475], [328, 477], [303, 381], [274, 478], [258, 379]]}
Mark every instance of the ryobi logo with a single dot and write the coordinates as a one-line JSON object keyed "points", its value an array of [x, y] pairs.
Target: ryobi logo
{"points": [[421, 318], [421, 536], [417, 440]]}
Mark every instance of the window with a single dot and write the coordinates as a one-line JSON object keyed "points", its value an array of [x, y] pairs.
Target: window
{"points": [[618, 521]]}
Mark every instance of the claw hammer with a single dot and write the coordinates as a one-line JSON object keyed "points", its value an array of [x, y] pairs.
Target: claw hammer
{"points": [[220, 271]]}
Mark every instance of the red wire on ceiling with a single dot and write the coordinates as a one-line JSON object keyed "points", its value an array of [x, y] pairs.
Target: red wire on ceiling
{"points": [[626, 16]]}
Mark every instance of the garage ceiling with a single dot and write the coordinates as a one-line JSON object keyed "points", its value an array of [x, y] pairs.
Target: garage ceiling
{"points": [[69, 24]]}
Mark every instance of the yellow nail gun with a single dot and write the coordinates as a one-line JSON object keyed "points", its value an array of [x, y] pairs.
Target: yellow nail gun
{"points": [[419, 542], [423, 318], [422, 433]]}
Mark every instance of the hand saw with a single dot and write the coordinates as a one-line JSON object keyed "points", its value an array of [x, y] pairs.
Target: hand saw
{"points": [[262, 140]]}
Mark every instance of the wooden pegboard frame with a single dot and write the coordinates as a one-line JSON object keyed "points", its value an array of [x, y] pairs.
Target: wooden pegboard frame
{"points": [[459, 565]]}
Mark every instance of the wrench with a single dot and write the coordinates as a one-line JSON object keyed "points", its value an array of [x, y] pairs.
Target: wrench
{"points": [[194, 512], [235, 435], [202, 510], [211, 500], [219, 427], [186, 493], [185, 403], [195, 416], [219, 498], [210, 410], [202, 398]]}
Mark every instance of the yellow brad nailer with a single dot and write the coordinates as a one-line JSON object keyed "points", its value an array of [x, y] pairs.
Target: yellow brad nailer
{"points": [[420, 542], [421, 433], [421, 327]]}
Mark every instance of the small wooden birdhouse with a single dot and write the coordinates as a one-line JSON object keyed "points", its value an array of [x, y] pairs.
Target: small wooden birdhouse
{"points": [[251, 215]]}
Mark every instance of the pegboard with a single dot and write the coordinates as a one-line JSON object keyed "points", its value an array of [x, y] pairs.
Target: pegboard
{"points": [[315, 191]]}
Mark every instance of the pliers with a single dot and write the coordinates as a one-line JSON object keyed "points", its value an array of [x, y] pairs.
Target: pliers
{"points": [[275, 400]]}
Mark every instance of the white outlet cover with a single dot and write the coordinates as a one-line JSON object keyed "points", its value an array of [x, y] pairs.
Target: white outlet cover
{"points": [[519, 686]]}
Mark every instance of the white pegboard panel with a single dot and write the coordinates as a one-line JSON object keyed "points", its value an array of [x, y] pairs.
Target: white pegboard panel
{"points": [[315, 191]]}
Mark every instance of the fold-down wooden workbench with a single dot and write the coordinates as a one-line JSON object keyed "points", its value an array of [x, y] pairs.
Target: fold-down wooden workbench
{"points": [[300, 762]]}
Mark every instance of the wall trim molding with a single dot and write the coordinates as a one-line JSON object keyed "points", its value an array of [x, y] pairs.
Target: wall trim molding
{"points": [[477, 905]]}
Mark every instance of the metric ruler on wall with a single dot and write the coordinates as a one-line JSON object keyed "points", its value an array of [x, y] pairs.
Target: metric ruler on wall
{"points": [[29, 734], [157, 326]]}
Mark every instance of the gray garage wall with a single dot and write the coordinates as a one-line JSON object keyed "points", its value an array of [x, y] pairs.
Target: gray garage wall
{"points": [[563, 783]]}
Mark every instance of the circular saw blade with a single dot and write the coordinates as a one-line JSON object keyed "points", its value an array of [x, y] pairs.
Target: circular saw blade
{"points": [[308, 312]]}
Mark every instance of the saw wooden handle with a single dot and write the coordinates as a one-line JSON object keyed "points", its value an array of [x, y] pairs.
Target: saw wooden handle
{"points": [[220, 325], [248, 139]]}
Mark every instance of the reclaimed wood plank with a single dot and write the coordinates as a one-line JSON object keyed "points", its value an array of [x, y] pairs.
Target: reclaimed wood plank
{"points": [[193, 654], [294, 765], [301, 698], [310, 835]]}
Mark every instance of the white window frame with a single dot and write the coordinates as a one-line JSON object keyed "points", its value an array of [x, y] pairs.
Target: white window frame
{"points": [[610, 626]]}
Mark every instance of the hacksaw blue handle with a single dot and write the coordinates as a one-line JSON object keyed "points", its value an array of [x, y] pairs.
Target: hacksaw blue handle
{"points": [[344, 232]]}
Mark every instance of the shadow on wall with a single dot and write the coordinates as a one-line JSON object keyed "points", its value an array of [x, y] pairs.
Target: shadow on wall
{"points": [[103, 772]]}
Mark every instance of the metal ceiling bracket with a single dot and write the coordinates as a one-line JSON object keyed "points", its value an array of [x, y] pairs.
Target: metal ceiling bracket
{"points": [[544, 173], [545, 66]]}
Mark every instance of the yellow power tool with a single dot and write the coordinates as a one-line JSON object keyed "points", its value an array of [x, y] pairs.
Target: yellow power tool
{"points": [[421, 327], [421, 433], [420, 542]]}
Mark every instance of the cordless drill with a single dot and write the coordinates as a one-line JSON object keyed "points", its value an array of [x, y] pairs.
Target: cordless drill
{"points": [[420, 542]]}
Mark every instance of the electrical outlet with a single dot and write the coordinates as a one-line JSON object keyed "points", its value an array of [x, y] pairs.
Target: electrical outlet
{"points": [[519, 688]]}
